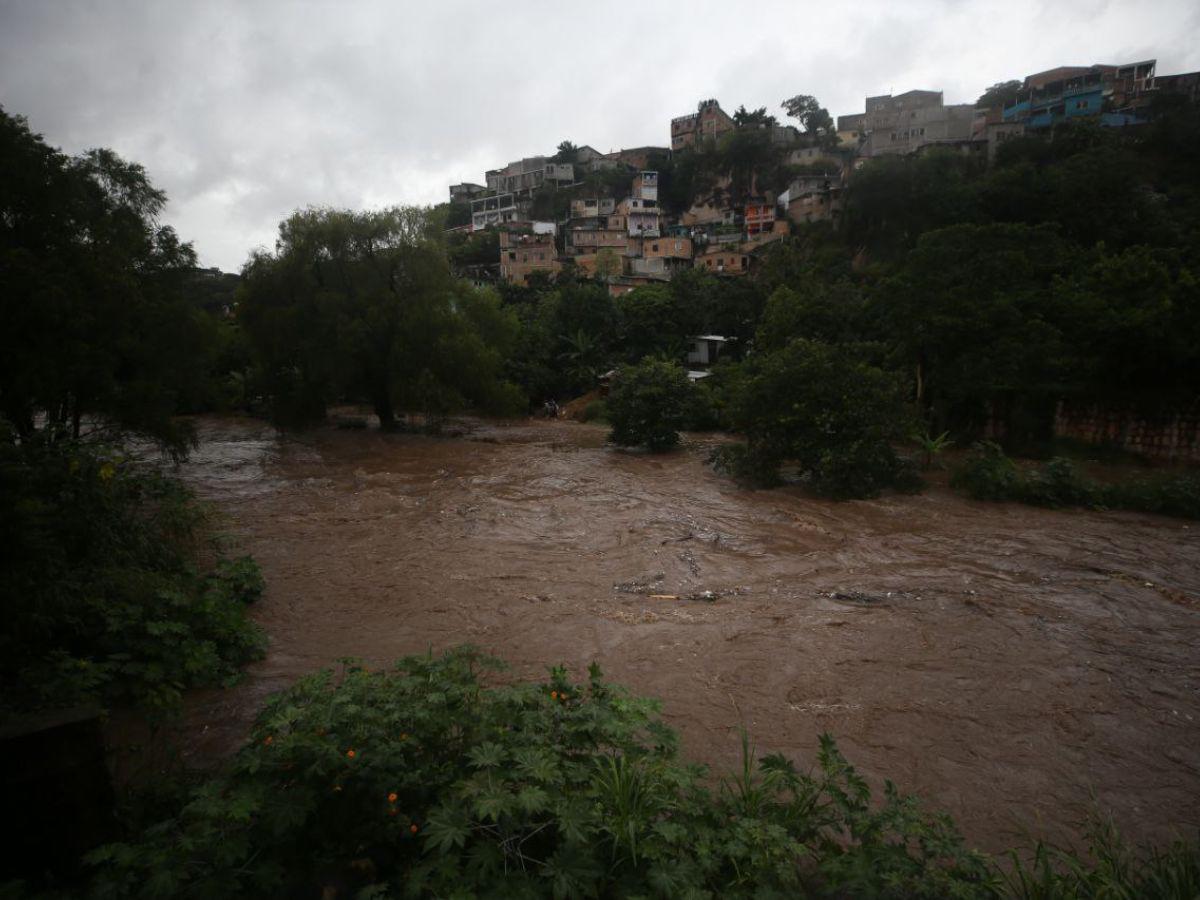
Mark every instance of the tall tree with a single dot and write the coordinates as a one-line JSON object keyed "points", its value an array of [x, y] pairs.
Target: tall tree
{"points": [[813, 117], [94, 332], [362, 304]]}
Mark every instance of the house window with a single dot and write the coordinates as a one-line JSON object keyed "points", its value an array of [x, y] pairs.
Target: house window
{"points": [[654, 248]]}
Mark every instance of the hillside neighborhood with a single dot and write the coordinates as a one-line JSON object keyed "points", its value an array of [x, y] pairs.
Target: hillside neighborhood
{"points": [[606, 215]]}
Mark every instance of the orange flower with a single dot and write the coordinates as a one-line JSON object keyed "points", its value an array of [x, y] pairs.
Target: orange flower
{"points": [[554, 695], [267, 740], [412, 828], [392, 797], [350, 754]]}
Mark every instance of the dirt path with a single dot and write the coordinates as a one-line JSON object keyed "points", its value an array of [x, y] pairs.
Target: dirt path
{"points": [[1001, 661]]}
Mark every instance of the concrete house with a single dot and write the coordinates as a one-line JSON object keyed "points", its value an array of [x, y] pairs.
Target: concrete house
{"points": [[906, 122], [523, 254], [708, 122]]}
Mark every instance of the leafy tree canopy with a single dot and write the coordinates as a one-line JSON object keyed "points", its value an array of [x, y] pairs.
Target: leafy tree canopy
{"points": [[363, 304], [745, 117], [999, 95], [95, 332], [649, 404], [813, 117]]}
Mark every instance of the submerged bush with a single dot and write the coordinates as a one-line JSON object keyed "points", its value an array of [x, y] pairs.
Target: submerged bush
{"points": [[987, 474], [818, 406], [649, 404], [110, 591]]}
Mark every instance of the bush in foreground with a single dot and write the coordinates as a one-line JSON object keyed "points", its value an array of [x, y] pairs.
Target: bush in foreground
{"points": [[419, 781], [111, 592], [649, 404]]}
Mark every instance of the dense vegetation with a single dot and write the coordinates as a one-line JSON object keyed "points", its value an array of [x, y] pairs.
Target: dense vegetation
{"points": [[421, 781], [112, 587], [114, 592], [362, 305], [988, 474]]}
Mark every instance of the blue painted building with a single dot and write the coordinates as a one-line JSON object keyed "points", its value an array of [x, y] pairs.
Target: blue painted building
{"points": [[1070, 92]]}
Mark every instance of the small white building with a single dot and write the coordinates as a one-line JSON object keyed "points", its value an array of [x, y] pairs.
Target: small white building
{"points": [[705, 349]]}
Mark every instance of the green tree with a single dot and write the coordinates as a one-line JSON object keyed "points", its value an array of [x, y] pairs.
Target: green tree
{"points": [[362, 304], [813, 117], [743, 117], [96, 335], [649, 403], [999, 95], [819, 407], [653, 323], [973, 318], [815, 309]]}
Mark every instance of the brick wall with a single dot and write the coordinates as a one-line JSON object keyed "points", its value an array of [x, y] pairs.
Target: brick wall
{"points": [[1170, 437]]}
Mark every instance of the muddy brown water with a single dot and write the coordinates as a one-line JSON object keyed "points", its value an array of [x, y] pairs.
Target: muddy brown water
{"points": [[1008, 664]]}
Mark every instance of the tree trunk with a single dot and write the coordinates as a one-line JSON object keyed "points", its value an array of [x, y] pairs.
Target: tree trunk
{"points": [[382, 401]]}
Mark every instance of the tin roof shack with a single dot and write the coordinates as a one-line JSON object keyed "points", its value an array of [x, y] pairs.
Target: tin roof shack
{"points": [[523, 253], [705, 351]]}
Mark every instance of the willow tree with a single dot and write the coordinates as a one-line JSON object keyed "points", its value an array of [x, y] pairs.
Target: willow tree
{"points": [[362, 305]]}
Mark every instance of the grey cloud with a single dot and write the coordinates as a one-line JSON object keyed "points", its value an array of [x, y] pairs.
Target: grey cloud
{"points": [[246, 111]]}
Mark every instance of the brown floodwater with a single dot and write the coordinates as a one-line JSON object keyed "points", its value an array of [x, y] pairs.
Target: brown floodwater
{"points": [[1011, 665]]}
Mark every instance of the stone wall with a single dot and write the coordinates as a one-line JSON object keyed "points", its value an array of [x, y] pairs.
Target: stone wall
{"points": [[1170, 437]]}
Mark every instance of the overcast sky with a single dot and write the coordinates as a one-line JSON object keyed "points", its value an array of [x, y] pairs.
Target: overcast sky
{"points": [[243, 112]]}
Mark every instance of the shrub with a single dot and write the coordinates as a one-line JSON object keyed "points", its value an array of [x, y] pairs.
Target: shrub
{"points": [[1058, 483], [105, 596], [1169, 495], [819, 406], [649, 404], [421, 782], [987, 474], [596, 411]]}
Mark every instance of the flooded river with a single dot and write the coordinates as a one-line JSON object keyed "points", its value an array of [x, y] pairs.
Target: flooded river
{"points": [[1004, 662]]}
